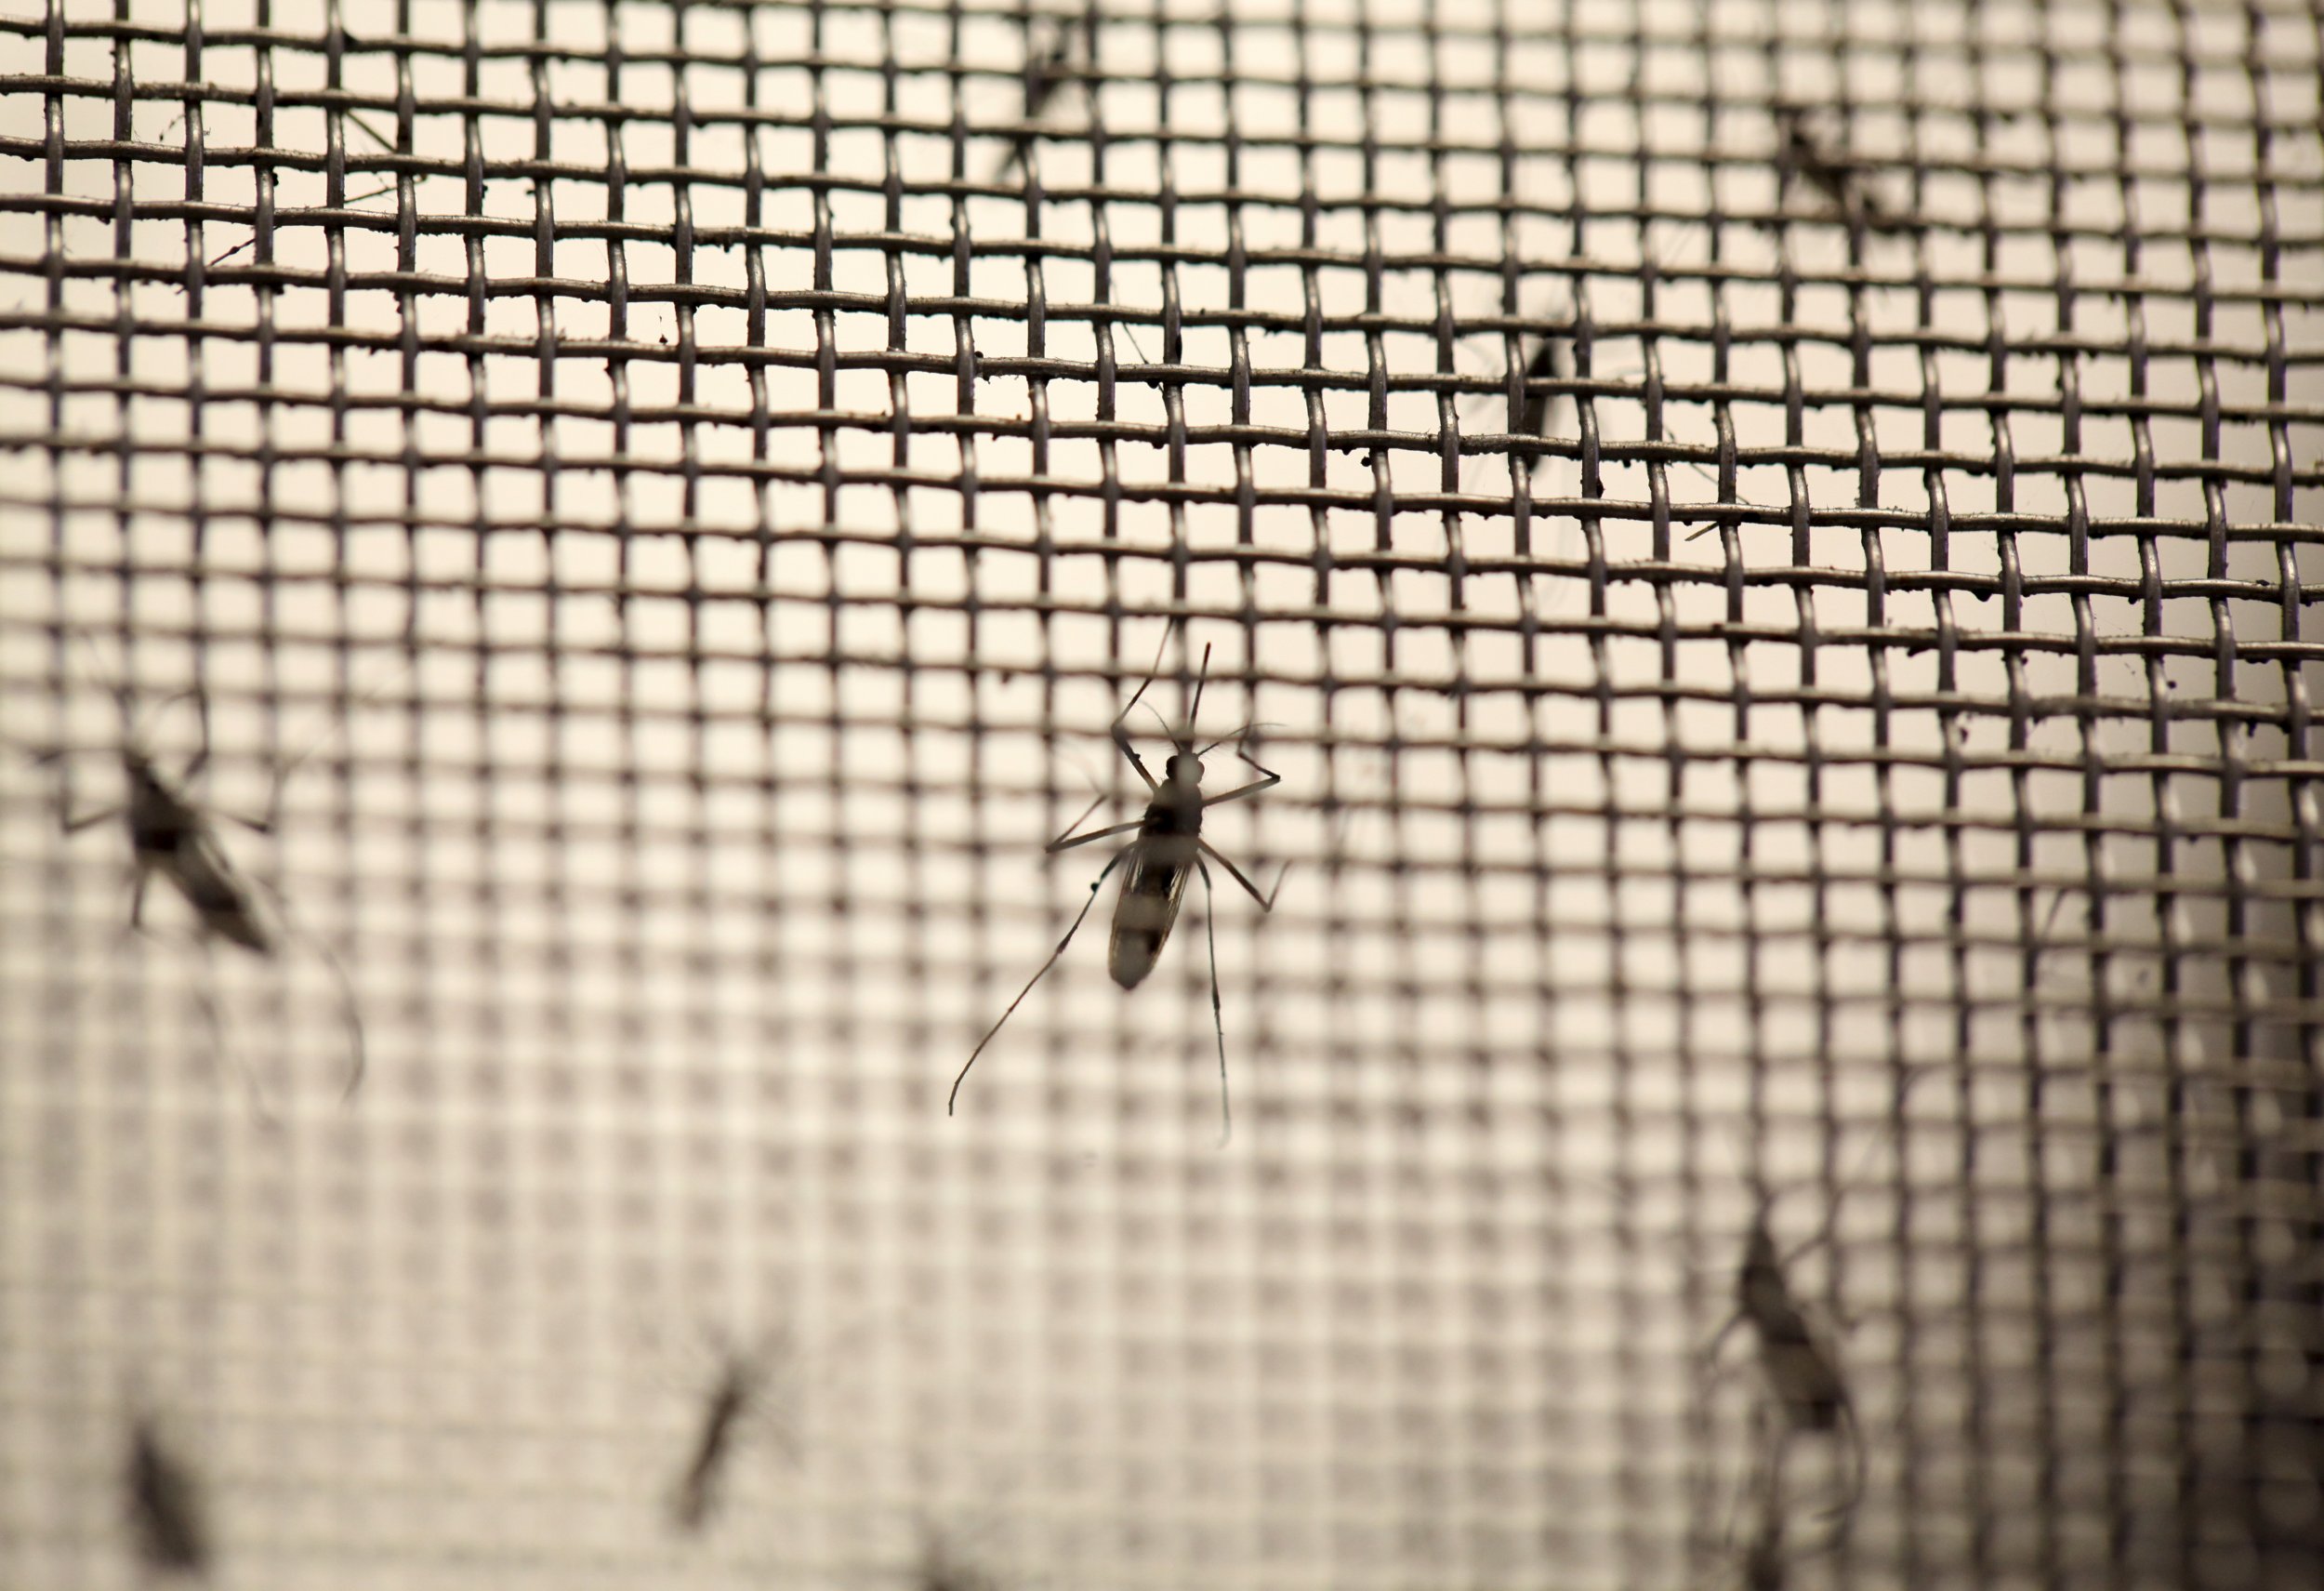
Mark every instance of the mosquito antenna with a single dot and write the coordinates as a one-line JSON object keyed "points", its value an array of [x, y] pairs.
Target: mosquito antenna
{"points": [[283, 770], [106, 679], [953, 1099], [1887, 1135], [356, 1060], [1243, 734], [1139, 693], [1217, 1021], [1196, 711]]}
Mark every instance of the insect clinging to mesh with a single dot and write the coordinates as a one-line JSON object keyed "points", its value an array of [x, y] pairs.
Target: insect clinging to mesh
{"points": [[164, 1502], [740, 1390], [1807, 1392], [1837, 178], [1546, 363], [1802, 1372], [1168, 848], [173, 835], [1047, 69]]}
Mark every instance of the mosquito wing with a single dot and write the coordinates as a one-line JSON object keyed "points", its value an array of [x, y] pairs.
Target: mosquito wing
{"points": [[1148, 908]]}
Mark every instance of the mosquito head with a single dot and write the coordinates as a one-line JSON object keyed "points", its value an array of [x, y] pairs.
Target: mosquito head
{"points": [[1763, 1263], [137, 768], [1184, 768]]}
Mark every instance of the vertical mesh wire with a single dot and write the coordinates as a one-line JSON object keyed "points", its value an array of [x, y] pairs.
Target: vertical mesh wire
{"points": [[687, 487]]}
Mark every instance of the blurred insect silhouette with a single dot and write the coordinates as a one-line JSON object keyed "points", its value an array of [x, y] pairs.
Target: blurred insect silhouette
{"points": [[1838, 178], [740, 1392], [173, 835], [164, 1504], [1067, 45], [1168, 847], [1530, 402], [1806, 1390]]}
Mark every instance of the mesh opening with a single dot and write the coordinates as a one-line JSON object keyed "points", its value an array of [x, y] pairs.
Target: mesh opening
{"points": [[686, 488]]}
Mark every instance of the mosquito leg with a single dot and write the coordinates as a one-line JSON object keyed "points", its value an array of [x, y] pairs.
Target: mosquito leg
{"points": [[953, 1099], [1718, 1341], [1266, 902], [73, 823], [348, 1013], [1062, 843], [1240, 791], [1243, 752], [1217, 1020], [137, 895], [1845, 1508], [1121, 739], [221, 1054]]}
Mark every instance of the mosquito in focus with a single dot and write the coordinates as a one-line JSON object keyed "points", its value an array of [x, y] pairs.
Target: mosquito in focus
{"points": [[172, 835], [164, 1504], [1168, 848]]}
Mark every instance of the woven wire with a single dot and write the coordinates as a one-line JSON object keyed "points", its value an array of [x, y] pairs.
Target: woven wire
{"points": [[691, 506]]}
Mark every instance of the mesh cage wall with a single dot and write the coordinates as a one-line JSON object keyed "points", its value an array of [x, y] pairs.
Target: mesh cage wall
{"points": [[682, 492]]}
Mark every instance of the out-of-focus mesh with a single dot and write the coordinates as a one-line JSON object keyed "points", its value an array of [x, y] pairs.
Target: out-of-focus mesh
{"points": [[694, 526]]}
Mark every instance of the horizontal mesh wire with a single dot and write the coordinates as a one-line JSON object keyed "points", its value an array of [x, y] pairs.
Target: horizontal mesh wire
{"points": [[685, 490]]}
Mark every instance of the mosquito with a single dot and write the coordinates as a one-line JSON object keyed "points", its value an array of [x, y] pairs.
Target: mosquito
{"points": [[1807, 1391], [1168, 848], [1045, 73], [1802, 1369], [1837, 178], [164, 1504], [173, 835], [1547, 364], [740, 1390]]}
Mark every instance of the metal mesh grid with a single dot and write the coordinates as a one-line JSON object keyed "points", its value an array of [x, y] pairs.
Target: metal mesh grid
{"points": [[694, 482]]}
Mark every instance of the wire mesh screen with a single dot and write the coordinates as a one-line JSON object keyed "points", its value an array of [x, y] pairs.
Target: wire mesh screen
{"points": [[1763, 542]]}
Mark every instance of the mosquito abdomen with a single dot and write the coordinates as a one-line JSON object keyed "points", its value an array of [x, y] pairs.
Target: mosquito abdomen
{"points": [[224, 905]]}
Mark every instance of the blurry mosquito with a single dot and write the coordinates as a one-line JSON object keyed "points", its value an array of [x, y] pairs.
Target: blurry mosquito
{"points": [[1807, 1390], [1547, 364], [1168, 846], [164, 1504], [1047, 69], [1836, 177], [1809, 1393], [172, 835], [741, 1391]]}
